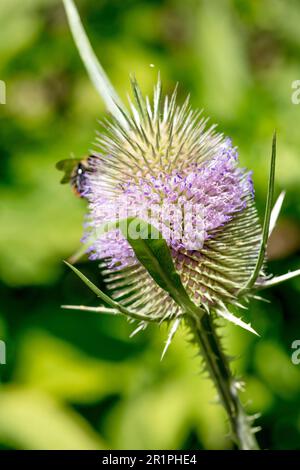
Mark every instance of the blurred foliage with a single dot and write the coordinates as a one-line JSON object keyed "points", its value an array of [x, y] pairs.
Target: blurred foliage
{"points": [[74, 379]]}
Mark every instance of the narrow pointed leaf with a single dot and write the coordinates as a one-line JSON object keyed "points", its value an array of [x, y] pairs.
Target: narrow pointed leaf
{"points": [[115, 305], [152, 251], [93, 67], [266, 225]]}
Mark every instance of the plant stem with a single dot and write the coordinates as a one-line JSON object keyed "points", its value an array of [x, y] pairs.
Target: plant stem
{"points": [[205, 336]]}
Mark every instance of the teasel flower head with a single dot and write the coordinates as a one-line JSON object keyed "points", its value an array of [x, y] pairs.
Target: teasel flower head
{"points": [[166, 165]]}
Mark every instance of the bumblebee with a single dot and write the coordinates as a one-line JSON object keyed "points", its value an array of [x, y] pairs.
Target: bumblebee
{"points": [[76, 173]]}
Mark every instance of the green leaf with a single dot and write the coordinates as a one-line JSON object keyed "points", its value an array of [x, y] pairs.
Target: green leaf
{"points": [[115, 305], [92, 65], [268, 210], [154, 254]]}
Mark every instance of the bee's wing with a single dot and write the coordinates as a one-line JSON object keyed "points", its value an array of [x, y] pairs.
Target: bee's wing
{"points": [[67, 166]]}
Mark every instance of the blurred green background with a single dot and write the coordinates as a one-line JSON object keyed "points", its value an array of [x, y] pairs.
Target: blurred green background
{"points": [[75, 380]]}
